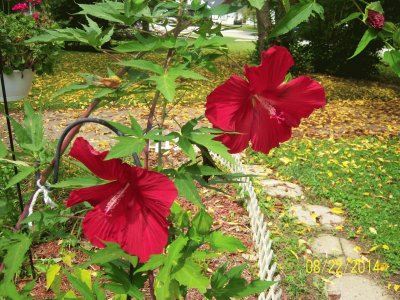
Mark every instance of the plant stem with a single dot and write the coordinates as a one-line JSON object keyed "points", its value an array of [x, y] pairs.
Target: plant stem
{"points": [[151, 286]]}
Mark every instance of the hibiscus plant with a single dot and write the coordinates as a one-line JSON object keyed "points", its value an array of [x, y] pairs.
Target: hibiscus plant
{"points": [[147, 244]]}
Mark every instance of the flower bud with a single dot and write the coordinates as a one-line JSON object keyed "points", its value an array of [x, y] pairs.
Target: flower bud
{"points": [[375, 19]]}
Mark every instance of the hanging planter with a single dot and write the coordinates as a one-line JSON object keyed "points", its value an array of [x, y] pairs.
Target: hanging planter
{"points": [[17, 84]]}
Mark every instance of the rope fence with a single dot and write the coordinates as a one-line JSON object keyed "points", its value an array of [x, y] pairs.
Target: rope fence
{"points": [[261, 234]]}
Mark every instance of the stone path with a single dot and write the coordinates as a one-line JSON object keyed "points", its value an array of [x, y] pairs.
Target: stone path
{"points": [[327, 249]]}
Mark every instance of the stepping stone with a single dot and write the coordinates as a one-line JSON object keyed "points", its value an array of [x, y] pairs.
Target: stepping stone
{"points": [[281, 189], [257, 170], [355, 287], [322, 215], [326, 244]]}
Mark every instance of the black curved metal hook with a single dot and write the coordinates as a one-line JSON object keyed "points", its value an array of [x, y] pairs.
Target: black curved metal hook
{"points": [[70, 127]]}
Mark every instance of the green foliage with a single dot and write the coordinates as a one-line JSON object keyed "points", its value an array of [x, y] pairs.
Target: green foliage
{"points": [[296, 15], [17, 28], [328, 46]]}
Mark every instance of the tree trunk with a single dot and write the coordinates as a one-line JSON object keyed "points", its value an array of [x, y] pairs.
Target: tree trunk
{"points": [[264, 26]]}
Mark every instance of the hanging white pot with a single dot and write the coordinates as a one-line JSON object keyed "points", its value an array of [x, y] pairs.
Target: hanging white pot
{"points": [[18, 84]]}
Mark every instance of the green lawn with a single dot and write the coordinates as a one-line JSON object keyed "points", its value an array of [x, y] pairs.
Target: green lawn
{"points": [[360, 173]]}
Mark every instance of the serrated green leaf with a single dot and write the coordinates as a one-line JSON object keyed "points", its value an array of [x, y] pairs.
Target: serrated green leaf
{"points": [[82, 181], [207, 140], [70, 89], [187, 147], [51, 274], [349, 18], [111, 252], [166, 85], [221, 242], [22, 174], [153, 263], [255, 287], [369, 35], [125, 146], [143, 65], [16, 250], [392, 57], [257, 3], [84, 276], [191, 276], [202, 222], [81, 287], [3, 150], [187, 189], [375, 6], [296, 15], [181, 72], [136, 126]]}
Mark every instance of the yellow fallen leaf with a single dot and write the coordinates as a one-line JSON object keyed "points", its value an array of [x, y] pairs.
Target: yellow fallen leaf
{"points": [[357, 248], [386, 247], [339, 228], [337, 210], [285, 160], [373, 248], [330, 174], [314, 216], [373, 230], [294, 254], [396, 287]]}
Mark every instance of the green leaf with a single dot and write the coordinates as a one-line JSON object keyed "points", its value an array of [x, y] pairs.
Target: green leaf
{"points": [[81, 287], [22, 174], [166, 85], [376, 6], [156, 135], [369, 35], [84, 276], [354, 15], [111, 252], [257, 3], [181, 72], [155, 261], [143, 65], [186, 188], [187, 147], [297, 14], [83, 181], [16, 249], [221, 242], [126, 146], [70, 89], [392, 57], [396, 38], [202, 222], [51, 275], [21, 135], [255, 287], [207, 140], [191, 276], [125, 129], [3, 150], [136, 126]]}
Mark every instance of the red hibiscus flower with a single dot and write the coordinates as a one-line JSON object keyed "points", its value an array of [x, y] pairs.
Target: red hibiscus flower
{"points": [[131, 210], [263, 109]]}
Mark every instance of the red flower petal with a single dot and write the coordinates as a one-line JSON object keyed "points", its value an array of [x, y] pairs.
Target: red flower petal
{"points": [[275, 63], [267, 132], [229, 108], [297, 99], [107, 169], [94, 194], [135, 217]]}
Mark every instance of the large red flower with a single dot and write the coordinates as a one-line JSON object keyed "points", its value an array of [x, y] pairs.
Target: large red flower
{"points": [[131, 210], [263, 109]]}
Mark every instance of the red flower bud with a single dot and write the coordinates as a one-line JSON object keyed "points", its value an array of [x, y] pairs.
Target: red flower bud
{"points": [[375, 19]]}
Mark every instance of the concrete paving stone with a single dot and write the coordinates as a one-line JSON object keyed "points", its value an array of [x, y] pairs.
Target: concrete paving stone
{"points": [[303, 215], [356, 287], [318, 209], [257, 170], [348, 249], [326, 244], [281, 189], [329, 220]]}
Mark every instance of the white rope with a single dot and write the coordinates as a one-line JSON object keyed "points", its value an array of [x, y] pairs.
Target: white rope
{"points": [[46, 198]]}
